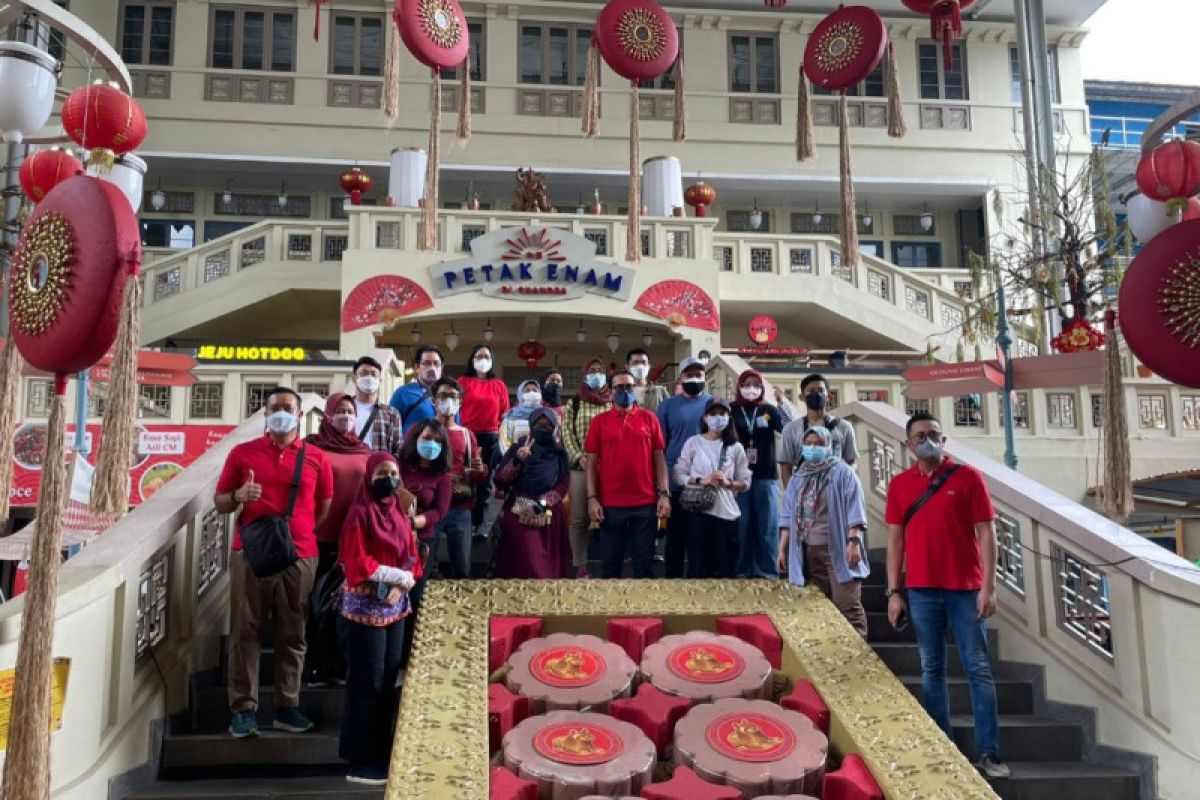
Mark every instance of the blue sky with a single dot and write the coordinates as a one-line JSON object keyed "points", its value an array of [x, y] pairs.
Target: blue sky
{"points": [[1144, 40]]}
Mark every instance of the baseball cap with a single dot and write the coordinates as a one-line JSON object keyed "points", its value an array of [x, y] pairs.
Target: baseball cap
{"points": [[690, 361]]}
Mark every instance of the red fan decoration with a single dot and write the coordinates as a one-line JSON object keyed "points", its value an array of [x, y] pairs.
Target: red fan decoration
{"points": [[637, 38], [45, 169], [680, 303], [1170, 173], [354, 181], [945, 21], [1160, 304], [1077, 336], [845, 48], [383, 300], [531, 352], [104, 120], [435, 31]]}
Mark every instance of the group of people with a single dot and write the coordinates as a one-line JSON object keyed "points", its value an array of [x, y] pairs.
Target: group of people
{"points": [[366, 501]]}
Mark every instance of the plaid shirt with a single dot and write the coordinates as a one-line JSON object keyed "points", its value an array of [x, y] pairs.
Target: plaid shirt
{"points": [[387, 431], [576, 421]]}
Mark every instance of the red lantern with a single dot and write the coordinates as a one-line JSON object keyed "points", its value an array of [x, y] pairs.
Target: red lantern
{"points": [[1078, 335], [355, 182], [104, 120], [1171, 171], [531, 353], [700, 196], [945, 21], [1192, 209], [45, 169]]}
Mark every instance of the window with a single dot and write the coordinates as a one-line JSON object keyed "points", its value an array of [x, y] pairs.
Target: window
{"points": [[1097, 411], [801, 259], [252, 39], [913, 406], [1189, 405], [740, 221], [1060, 410], [1014, 68], [874, 85], [469, 234], [723, 255], [320, 389], [95, 400], [804, 223], [262, 205], [146, 32], [173, 233], [968, 411], [917, 255], [154, 402], [475, 54], [1152, 411], [215, 229], [553, 54], [761, 260], [937, 82], [37, 397], [208, 401], [874, 396], [256, 397], [599, 238], [356, 46], [910, 224], [753, 63], [1021, 410], [667, 79]]}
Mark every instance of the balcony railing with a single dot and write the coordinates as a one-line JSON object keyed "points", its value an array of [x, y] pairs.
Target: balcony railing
{"points": [[1126, 132]]}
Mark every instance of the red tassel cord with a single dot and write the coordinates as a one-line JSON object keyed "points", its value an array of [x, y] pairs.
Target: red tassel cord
{"points": [[946, 24]]}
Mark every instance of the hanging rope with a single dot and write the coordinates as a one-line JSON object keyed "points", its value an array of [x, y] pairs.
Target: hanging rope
{"points": [[849, 214], [897, 128], [1117, 485], [10, 378], [463, 132], [429, 233], [118, 437], [806, 145], [391, 74], [633, 223], [590, 124], [679, 128]]}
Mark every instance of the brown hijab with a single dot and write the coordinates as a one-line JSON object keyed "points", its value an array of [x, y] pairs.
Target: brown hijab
{"points": [[597, 397], [329, 438]]}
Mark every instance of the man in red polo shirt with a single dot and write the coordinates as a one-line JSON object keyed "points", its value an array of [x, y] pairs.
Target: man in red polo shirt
{"points": [[257, 479], [940, 526], [627, 481]]}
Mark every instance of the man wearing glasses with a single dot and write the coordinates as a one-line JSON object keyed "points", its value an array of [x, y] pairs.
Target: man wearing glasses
{"points": [[941, 532], [414, 400]]}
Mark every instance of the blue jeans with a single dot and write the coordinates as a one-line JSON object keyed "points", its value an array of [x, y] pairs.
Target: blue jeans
{"points": [[632, 527], [933, 611], [758, 529], [456, 527]]}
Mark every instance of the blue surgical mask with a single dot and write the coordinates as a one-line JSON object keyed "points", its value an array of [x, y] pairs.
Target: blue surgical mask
{"points": [[815, 452], [624, 398], [281, 422], [596, 380], [717, 422], [428, 449], [927, 450]]}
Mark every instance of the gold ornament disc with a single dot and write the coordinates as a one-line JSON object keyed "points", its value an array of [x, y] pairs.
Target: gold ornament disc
{"points": [[1179, 300], [641, 34], [440, 22], [41, 273], [839, 45]]}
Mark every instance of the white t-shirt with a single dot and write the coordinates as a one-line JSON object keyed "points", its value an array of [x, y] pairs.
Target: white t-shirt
{"points": [[363, 411], [699, 460]]}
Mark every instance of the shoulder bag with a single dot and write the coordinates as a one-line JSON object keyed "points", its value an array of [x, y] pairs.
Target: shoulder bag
{"points": [[934, 485], [699, 499], [267, 543]]}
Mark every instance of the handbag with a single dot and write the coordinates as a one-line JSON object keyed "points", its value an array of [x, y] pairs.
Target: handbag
{"points": [[461, 489], [267, 543], [698, 499]]}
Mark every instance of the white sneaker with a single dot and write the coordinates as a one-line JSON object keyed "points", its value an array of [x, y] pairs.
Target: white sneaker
{"points": [[993, 767]]}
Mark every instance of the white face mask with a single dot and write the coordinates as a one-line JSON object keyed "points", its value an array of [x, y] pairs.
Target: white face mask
{"points": [[718, 422], [531, 399], [483, 365], [344, 423], [751, 392], [640, 371], [367, 384], [281, 422], [448, 407]]}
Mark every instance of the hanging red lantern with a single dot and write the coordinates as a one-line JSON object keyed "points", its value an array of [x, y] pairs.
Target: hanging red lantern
{"points": [[45, 169], [1077, 336], [700, 196], [355, 182], [105, 121], [531, 352], [945, 21], [1170, 173]]}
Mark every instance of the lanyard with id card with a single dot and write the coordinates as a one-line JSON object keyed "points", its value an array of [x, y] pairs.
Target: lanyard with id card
{"points": [[751, 423]]}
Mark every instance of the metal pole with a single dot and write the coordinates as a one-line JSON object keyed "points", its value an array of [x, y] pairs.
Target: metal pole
{"points": [[81, 411], [1004, 342]]}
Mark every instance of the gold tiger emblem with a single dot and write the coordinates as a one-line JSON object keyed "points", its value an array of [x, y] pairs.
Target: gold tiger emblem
{"points": [[748, 736], [579, 742], [567, 667], [703, 662]]}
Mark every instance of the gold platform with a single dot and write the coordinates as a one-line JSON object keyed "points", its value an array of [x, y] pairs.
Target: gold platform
{"points": [[441, 747]]}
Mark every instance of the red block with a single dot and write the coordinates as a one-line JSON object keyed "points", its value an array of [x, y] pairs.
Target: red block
{"points": [[505, 710], [506, 634], [635, 634], [755, 629], [805, 699], [506, 786], [852, 781], [654, 712], [685, 785]]}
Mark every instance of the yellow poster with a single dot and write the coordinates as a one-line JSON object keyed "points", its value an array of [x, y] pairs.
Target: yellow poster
{"points": [[58, 696]]}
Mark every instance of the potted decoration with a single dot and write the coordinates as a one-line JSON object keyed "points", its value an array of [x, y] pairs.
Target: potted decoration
{"points": [[472, 203], [595, 207]]}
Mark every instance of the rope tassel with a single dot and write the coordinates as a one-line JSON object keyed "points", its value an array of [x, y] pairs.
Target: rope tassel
{"points": [[10, 378], [463, 133], [429, 233], [679, 128], [110, 492], [633, 224], [806, 145], [849, 214], [590, 123], [1117, 488], [897, 128], [390, 104]]}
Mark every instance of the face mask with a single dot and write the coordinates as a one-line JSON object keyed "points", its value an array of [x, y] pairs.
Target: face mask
{"points": [[543, 437], [367, 384], [693, 387], [751, 392], [815, 400], [623, 398], [531, 399], [281, 422], [447, 407], [551, 393], [596, 380], [717, 422], [928, 451], [483, 365], [428, 449], [384, 486], [344, 424], [815, 452], [640, 371]]}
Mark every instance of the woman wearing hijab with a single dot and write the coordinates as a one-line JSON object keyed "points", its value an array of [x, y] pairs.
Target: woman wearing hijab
{"points": [[821, 527], [552, 386], [484, 404], [594, 398], [756, 424], [379, 557], [515, 425], [533, 530], [347, 457]]}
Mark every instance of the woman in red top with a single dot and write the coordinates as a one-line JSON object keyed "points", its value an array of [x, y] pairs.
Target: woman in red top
{"points": [[467, 468], [379, 557], [484, 405]]}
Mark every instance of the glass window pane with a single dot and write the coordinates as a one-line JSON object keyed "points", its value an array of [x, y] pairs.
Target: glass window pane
{"points": [[252, 39], [475, 30], [739, 63], [873, 86], [1014, 70], [764, 65], [928, 65], [955, 80], [283, 28], [583, 41], [132, 34], [1052, 69], [370, 54], [531, 54], [162, 21], [343, 45], [558, 60], [222, 41]]}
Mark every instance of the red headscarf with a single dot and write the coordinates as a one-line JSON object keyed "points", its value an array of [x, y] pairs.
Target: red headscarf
{"points": [[386, 534], [587, 394], [329, 438], [738, 400]]}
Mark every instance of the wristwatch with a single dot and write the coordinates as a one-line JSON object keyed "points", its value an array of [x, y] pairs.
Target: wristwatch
{"points": [[856, 540], [890, 592]]}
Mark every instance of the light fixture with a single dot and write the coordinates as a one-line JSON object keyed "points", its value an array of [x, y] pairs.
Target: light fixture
{"points": [[416, 333], [613, 340], [867, 220], [489, 332], [816, 217], [283, 198], [580, 333], [926, 219], [704, 357], [158, 199], [647, 339], [227, 196], [756, 216], [452, 340]]}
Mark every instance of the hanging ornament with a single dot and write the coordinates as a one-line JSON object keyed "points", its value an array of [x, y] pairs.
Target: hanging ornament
{"points": [[945, 22], [1170, 173], [1148, 218], [317, 18], [45, 169], [531, 352], [1077, 336], [354, 182], [28, 78], [104, 121], [700, 196]]}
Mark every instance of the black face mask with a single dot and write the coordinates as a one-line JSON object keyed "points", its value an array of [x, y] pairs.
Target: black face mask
{"points": [[551, 393], [543, 437], [693, 388], [815, 400], [381, 488]]}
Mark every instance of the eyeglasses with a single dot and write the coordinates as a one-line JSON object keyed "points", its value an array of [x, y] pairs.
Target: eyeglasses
{"points": [[430, 364], [448, 396], [931, 436]]}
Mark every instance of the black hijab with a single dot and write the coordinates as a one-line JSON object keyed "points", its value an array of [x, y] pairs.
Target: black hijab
{"points": [[545, 466]]}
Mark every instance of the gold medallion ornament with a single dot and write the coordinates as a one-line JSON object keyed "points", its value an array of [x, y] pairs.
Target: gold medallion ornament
{"points": [[440, 22], [839, 46], [41, 274], [1179, 300], [641, 34]]}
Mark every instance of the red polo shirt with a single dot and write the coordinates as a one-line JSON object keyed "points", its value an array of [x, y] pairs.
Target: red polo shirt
{"points": [[941, 550], [624, 444], [273, 467]]}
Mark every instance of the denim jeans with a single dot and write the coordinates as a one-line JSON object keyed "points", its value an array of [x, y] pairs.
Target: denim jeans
{"points": [[632, 527], [456, 527], [933, 611], [373, 656], [758, 529]]}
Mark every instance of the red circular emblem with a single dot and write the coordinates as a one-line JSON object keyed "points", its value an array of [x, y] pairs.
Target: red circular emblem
{"points": [[763, 330], [567, 667], [751, 737], [578, 743], [435, 31], [845, 48], [705, 663], [637, 38]]}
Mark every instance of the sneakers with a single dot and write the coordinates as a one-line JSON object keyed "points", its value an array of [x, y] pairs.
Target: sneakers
{"points": [[368, 776], [292, 721], [993, 767], [242, 725]]}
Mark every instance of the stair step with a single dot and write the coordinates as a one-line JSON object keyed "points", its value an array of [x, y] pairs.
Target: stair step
{"points": [[879, 629], [323, 705], [319, 787], [1024, 738], [1014, 695], [1066, 780], [200, 753], [903, 658]]}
